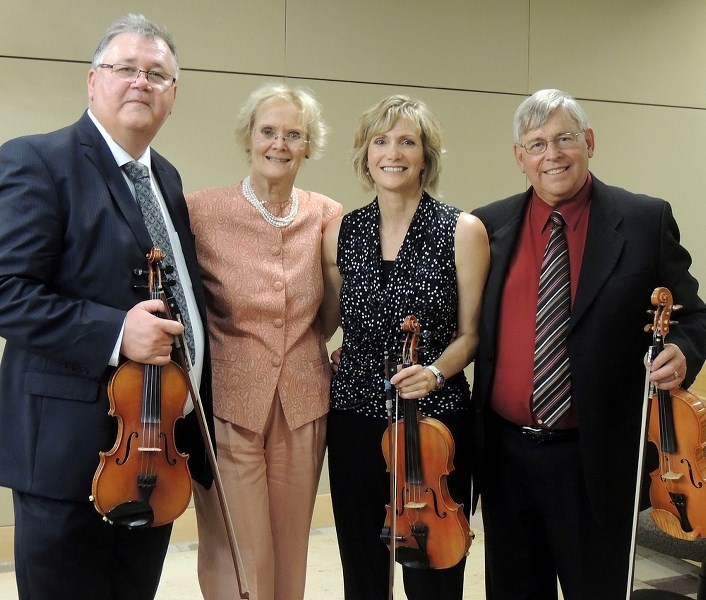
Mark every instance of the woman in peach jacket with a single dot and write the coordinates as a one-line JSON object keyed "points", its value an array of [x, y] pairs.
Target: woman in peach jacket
{"points": [[259, 248]]}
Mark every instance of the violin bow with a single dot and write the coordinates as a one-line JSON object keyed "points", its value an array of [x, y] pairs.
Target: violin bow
{"points": [[392, 403], [661, 296], [185, 362]]}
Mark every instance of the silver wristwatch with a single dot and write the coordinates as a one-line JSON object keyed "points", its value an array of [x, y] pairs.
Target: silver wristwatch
{"points": [[440, 379]]}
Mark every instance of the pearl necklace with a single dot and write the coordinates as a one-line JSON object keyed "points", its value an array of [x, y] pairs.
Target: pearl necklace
{"points": [[266, 214]]}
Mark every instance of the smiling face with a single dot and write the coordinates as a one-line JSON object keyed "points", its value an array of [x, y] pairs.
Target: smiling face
{"points": [[556, 175], [132, 112], [396, 159], [273, 158]]}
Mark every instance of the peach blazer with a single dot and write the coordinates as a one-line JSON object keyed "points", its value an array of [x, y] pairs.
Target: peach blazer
{"points": [[264, 287]]}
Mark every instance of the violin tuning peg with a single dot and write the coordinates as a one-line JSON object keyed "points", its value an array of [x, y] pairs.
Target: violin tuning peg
{"points": [[673, 322], [677, 307], [648, 327], [169, 269]]}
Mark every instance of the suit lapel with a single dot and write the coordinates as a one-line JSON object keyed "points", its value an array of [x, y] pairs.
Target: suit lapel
{"points": [[602, 250], [97, 152], [502, 247]]}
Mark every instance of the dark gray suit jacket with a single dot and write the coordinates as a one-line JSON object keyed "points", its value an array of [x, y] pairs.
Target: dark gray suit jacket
{"points": [[71, 236], [632, 247]]}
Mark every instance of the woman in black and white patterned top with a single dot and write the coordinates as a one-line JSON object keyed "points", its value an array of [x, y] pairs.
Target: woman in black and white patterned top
{"points": [[403, 254]]}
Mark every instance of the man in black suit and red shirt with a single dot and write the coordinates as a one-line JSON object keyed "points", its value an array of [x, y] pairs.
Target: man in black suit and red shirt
{"points": [[558, 485], [71, 308]]}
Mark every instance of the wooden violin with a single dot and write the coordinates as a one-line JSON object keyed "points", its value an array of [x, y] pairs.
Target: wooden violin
{"points": [[677, 427], [424, 527], [137, 508], [144, 481]]}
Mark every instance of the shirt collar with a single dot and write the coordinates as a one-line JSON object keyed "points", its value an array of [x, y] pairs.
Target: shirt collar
{"points": [[119, 154]]}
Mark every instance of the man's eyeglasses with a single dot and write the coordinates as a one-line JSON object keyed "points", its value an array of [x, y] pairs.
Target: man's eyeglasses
{"points": [[564, 141], [291, 139], [156, 79]]}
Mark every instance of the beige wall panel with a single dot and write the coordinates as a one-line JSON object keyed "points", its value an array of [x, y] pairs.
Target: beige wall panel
{"points": [[467, 44], [657, 151], [643, 51], [38, 96], [218, 36]]}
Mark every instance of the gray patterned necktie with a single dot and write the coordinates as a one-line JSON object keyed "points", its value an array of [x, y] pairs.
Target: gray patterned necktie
{"points": [[157, 228], [551, 397]]}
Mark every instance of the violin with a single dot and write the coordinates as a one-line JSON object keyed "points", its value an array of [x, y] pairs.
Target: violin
{"points": [[677, 427], [137, 510], [144, 481], [424, 528]]}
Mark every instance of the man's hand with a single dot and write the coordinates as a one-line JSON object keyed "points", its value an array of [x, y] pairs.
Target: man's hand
{"points": [[148, 338]]}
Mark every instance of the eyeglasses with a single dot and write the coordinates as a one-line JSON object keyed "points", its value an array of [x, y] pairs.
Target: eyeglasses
{"points": [[156, 79], [291, 139], [564, 141]]}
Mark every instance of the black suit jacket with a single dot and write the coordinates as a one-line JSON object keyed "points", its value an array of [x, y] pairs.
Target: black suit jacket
{"points": [[71, 236], [632, 247]]}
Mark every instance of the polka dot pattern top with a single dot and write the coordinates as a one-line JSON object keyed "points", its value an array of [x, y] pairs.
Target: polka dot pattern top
{"points": [[422, 282]]}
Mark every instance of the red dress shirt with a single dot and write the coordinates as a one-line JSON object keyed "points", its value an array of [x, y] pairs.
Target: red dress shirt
{"points": [[512, 385]]}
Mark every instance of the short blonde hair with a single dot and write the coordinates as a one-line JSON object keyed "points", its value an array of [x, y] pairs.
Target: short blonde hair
{"points": [[271, 93], [380, 119]]}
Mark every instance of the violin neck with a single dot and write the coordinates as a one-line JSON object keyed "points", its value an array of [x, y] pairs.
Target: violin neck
{"points": [[667, 431], [412, 453]]}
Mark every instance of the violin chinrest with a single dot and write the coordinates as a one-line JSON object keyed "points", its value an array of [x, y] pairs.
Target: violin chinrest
{"points": [[134, 514]]}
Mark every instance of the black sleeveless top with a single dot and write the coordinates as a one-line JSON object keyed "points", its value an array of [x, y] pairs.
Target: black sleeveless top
{"points": [[422, 282]]}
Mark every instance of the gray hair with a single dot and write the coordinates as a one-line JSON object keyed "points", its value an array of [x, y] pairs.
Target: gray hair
{"points": [[310, 110], [536, 110], [138, 25], [381, 118]]}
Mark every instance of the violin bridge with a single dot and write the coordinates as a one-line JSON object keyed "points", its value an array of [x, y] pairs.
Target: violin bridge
{"points": [[149, 449], [415, 505], [672, 476]]}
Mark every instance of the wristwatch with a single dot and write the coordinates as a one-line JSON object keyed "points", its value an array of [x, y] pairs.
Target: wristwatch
{"points": [[440, 379]]}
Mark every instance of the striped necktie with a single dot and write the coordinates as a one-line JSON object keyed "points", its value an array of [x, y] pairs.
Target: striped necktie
{"points": [[157, 228], [551, 396]]}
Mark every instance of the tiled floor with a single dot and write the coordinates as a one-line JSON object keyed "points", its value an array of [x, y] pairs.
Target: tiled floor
{"points": [[652, 570]]}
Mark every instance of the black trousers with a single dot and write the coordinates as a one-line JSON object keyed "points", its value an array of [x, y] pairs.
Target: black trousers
{"points": [[359, 493], [65, 551], [539, 525]]}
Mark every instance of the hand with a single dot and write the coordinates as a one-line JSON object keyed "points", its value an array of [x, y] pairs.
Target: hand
{"points": [[148, 338], [668, 369], [414, 382], [335, 360]]}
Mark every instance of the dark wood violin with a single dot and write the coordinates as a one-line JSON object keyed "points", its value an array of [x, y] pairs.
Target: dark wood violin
{"points": [[424, 528], [677, 427], [144, 481], [133, 509]]}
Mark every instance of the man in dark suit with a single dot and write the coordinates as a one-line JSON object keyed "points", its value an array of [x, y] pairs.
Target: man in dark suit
{"points": [[558, 497], [72, 240]]}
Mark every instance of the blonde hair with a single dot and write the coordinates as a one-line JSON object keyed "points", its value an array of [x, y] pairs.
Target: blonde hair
{"points": [[380, 119], [271, 93]]}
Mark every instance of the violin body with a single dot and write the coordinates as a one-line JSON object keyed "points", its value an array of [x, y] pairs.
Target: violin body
{"points": [[424, 528], [431, 530], [143, 480], [678, 485], [677, 427]]}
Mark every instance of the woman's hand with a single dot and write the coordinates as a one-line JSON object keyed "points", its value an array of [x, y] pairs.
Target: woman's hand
{"points": [[414, 382]]}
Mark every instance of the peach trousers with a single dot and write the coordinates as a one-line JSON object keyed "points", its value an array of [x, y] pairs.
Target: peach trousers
{"points": [[270, 482]]}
